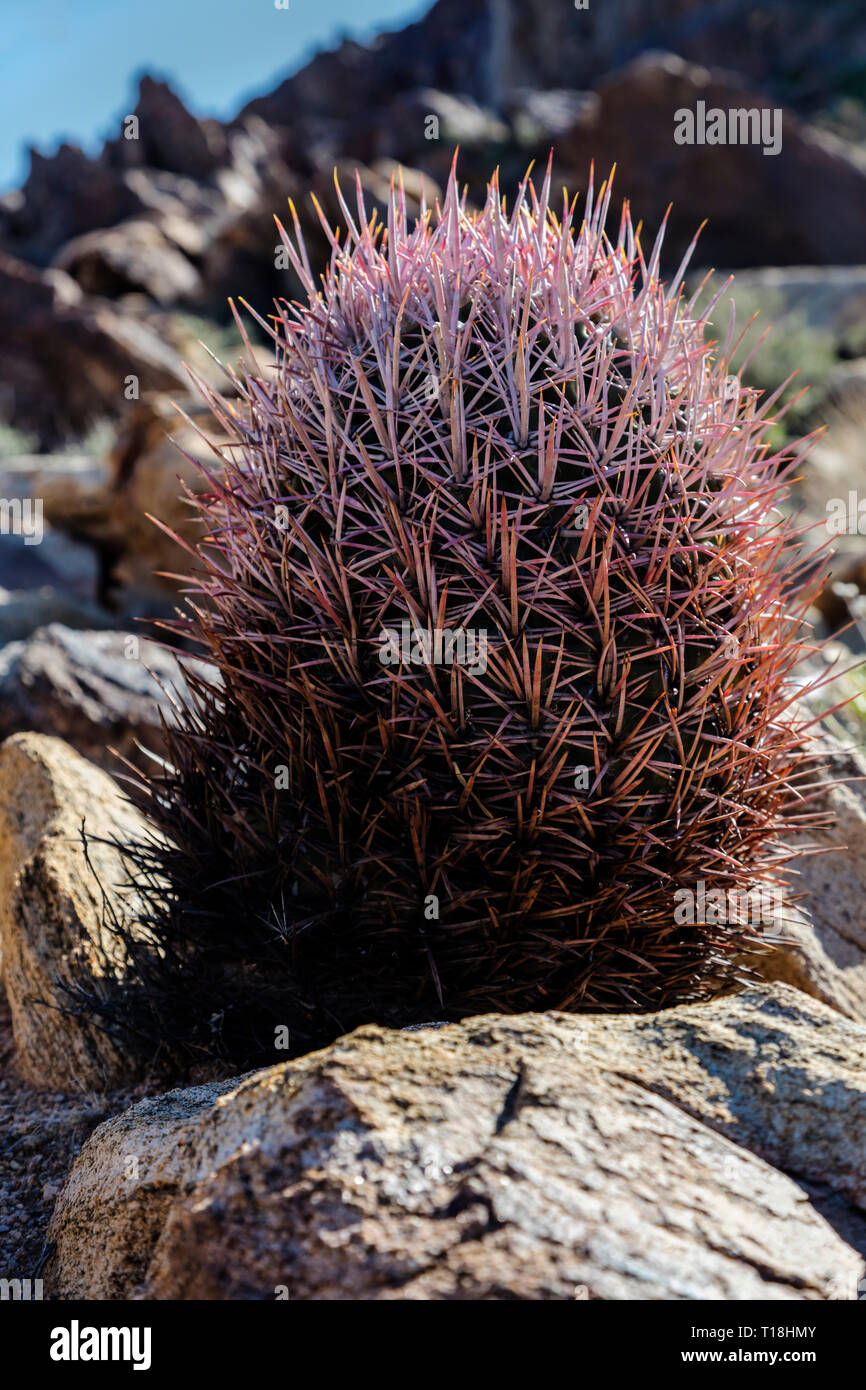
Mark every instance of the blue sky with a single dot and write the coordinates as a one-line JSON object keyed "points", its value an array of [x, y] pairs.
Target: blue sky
{"points": [[68, 68]]}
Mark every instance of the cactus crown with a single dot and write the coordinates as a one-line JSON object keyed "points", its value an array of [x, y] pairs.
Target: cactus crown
{"points": [[505, 613]]}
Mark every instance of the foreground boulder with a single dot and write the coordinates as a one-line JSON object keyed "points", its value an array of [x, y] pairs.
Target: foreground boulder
{"points": [[771, 1069], [55, 907], [530, 1157]]}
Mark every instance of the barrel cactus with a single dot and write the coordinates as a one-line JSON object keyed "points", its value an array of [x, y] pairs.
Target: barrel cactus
{"points": [[504, 612]]}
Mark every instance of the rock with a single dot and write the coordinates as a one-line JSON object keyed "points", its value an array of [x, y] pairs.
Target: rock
{"points": [[152, 462], [109, 504], [76, 498], [170, 137], [769, 222], [69, 194], [206, 220], [103, 692], [54, 907], [131, 256], [65, 195], [187, 213], [825, 954], [35, 554], [802, 52], [139, 350], [772, 1070], [132, 1182], [543, 116], [449, 48], [69, 477], [491, 50], [66, 359], [461, 121], [422, 128], [528, 1157], [242, 251], [42, 555], [57, 563], [22, 611]]}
